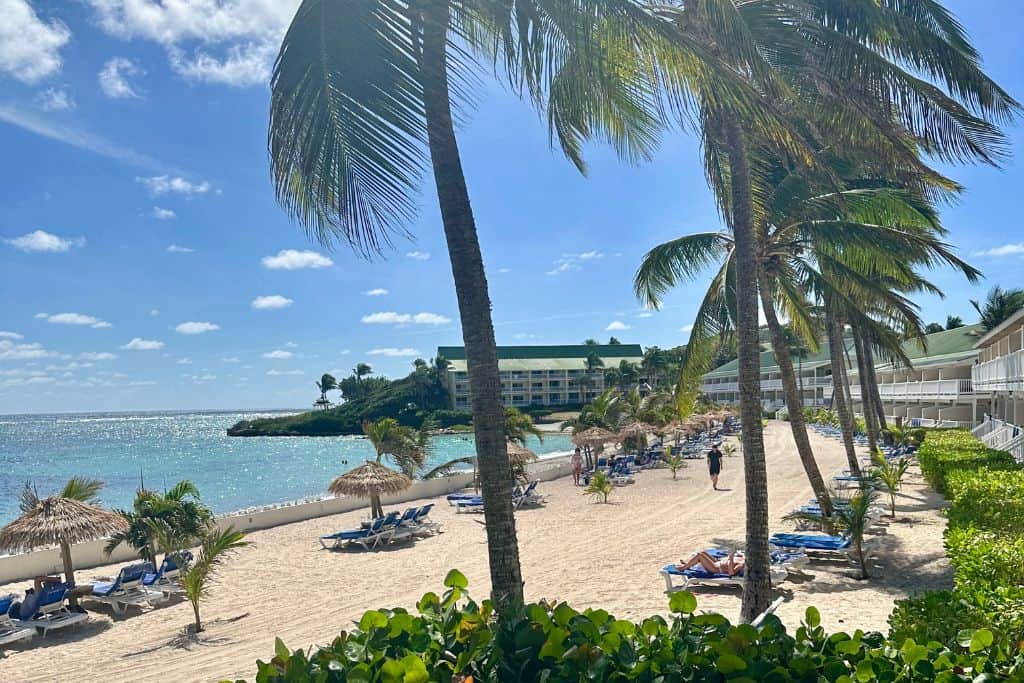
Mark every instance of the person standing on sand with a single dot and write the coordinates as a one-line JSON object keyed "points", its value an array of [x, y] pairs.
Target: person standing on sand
{"points": [[577, 466], [714, 465]]}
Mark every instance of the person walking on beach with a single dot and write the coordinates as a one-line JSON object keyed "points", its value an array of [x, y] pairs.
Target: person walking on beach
{"points": [[577, 466], [714, 465]]}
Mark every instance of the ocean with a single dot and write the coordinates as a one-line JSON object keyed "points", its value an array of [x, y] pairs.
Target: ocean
{"points": [[161, 448]]}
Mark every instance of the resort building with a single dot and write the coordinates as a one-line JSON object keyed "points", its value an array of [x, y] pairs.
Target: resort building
{"points": [[999, 372], [540, 375], [814, 374]]}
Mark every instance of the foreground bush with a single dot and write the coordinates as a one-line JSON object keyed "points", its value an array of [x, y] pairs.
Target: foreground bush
{"points": [[987, 499], [453, 639], [952, 450]]}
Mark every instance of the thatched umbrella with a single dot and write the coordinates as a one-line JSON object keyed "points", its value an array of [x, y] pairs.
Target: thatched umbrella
{"points": [[518, 455], [60, 521], [593, 440], [635, 428], [370, 480]]}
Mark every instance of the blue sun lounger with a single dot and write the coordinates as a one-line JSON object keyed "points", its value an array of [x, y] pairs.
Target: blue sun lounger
{"points": [[126, 589], [782, 563], [48, 611], [821, 545], [12, 630], [164, 582], [368, 537]]}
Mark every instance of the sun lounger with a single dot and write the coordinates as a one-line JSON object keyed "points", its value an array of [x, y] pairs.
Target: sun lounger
{"points": [[520, 498], [380, 529], [821, 545], [422, 522], [164, 582], [698, 576], [12, 630], [125, 590], [48, 610]]}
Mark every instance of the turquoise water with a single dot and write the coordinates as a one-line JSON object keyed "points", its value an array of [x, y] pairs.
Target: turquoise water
{"points": [[231, 473]]}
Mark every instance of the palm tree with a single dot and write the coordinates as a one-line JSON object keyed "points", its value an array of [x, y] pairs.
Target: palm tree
{"points": [[216, 546], [361, 90], [404, 446], [178, 508], [953, 322], [613, 341], [326, 383], [999, 305], [362, 370], [932, 328]]}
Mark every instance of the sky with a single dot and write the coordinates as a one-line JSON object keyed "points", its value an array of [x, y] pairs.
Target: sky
{"points": [[145, 264]]}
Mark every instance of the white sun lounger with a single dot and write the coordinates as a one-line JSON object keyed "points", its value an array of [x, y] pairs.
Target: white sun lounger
{"points": [[12, 630], [49, 611], [125, 590], [698, 576]]}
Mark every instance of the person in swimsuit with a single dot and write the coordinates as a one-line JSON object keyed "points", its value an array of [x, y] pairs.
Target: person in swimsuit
{"points": [[714, 465], [731, 565], [577, 466]]}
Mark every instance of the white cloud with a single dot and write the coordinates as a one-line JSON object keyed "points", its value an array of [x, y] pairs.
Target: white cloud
{"points": [[165, 184], [55, 99], [616, 326], [504, 270], [686, 328], [232, 359], [418, 255], [292, 259], [378, 291], [163, 214], [278, 354], [75, 319], [392, 352], [199, 379], [34, 351], [11, 335], [176, 249], [573, 262], [40, 240], [97, 356], [139, 344], [645, 314], [275, 373], [184, 361], [1004, 250], [264, 303], [196, 327], [233, 42], [393, 318], [156, 311], [345, 352], [113, 78], [29, 46], [291, 345]]}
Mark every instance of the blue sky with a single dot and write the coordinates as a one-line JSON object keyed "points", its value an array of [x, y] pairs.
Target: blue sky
{"points": [[144, 263]]}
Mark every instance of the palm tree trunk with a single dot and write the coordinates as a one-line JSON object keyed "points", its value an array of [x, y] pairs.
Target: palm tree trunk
{"points": [[839, 381], [869, 357], [867, 400], [794, 403], [757, 575], [376, 509], [195, 612], [474, 312]]}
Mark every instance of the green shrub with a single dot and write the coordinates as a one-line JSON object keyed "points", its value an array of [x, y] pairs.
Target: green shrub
{"points": [[948, 450], [984, 560], [453, 638], [940, 616], [990, 500]]}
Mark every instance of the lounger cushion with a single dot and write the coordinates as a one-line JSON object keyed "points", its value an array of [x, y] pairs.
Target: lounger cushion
{"points": [[699, 573], [821, 542]]}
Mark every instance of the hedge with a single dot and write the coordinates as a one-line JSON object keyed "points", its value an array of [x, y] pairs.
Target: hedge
{"points": [[984, 540], [454, 640]]}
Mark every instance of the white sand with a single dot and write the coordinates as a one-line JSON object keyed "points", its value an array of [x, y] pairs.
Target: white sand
{"points": [[575, 550]]}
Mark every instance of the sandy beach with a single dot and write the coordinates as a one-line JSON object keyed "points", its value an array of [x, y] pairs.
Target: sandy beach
{"points": [[573, 549]]}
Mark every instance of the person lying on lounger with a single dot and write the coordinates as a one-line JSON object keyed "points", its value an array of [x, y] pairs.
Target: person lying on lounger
{"points": [[731, 565]]}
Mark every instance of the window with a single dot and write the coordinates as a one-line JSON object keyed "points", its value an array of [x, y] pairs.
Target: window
{"points": [[517, 386], [537, 385], [518, 398], [554, 398], [554, 384], [574, 396]]}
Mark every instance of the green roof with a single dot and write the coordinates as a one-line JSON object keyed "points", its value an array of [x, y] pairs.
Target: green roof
{"points": [[942, 347], [545, 352]]}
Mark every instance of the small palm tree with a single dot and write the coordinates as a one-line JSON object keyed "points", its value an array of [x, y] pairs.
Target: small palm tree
{"points": [[179, 509], [851, 520], [675, 462], [82, 489], [890, 474], [600, 485], [362, 370], [215, 548], [327, 383]]}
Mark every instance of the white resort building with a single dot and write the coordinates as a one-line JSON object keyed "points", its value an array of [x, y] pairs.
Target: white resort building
{"points": [[1000, 373], [540, 375]]}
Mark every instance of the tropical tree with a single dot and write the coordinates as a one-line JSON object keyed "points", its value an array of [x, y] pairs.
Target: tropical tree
{"points": [[590, 341], [216, 546], [600, 485], [851, 519], [932, 328], [999, 305], [356, 116], [179, 509], [953, 322], [362, 370], [613, 341], [406, 447], [890, 474], [326, 383]]}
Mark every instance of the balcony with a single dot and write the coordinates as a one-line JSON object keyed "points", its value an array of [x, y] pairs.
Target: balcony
{"points": [[933, 389], [1005, 373]]}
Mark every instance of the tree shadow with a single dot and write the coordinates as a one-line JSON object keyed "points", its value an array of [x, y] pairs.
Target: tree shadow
{"points": [[187, 639], [59, 637]]}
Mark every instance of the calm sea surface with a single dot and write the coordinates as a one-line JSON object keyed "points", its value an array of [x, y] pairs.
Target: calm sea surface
{"points": [[231, 473]]}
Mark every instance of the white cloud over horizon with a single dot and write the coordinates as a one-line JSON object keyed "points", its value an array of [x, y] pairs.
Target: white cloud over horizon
{"points": [[163, 214], [10, 335], [176, 249], [568, 263], [274, 373], [166, 184], [97, 355], [278, 354], [1011, 249], [617, 326], [10, 350], [74, 319], [419, 255], [139, 344], [392, 352], [271, 302], [42, 241], [377, 291], [293, 259], [29, 45], [192, 327], [393, 318]]}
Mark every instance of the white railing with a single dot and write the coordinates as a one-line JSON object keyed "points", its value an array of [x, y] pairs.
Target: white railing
{"points": [[1005, 373], [944, 424], [933, 388]]}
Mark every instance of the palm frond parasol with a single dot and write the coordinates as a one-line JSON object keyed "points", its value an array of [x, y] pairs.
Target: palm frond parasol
{"points": [[593, 436], [634, 428], [63, 522], [370, 480], [519, 455]]}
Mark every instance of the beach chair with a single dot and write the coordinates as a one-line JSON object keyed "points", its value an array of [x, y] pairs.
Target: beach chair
{"points": [[405, 526], [164, 581], [12, 630], [422, 522], [820, 545], [698, 576], [529, 496], [367, 537], [47, 609], [125, 590]]}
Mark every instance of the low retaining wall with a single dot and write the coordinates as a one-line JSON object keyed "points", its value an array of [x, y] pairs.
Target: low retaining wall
{"points": [[89, 555]]}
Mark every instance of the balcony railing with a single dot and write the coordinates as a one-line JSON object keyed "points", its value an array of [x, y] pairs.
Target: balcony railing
{"points": [[926, 389], [1005, 373]]}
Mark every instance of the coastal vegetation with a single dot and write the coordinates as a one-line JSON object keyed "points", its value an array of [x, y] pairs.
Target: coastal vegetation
{"points": [[176, 513]]}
